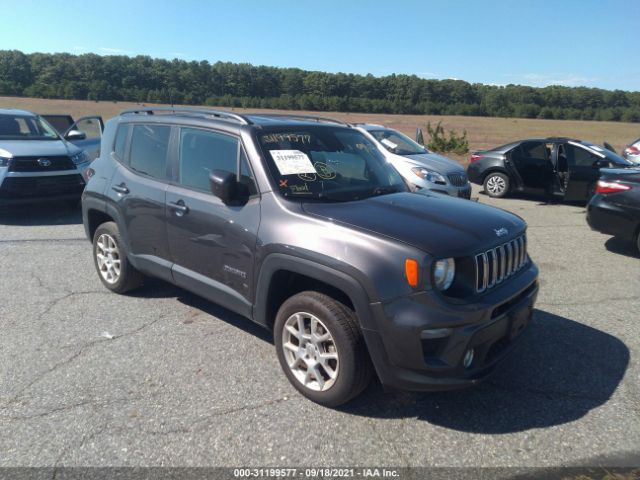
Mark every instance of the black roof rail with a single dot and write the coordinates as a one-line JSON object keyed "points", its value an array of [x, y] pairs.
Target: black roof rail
{"points": [[295, 116], [209, 112]]}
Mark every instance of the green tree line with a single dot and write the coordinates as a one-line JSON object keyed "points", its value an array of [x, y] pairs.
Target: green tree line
{"points": [[153, 80]]}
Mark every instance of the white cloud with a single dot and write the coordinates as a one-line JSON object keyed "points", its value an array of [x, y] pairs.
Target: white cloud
{"points": [[546, 79], [114, 51]]}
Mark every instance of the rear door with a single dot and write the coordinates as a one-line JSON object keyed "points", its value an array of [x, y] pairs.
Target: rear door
{"points": [[531, 160], [138, 189], [583, 173], [212, 245]]}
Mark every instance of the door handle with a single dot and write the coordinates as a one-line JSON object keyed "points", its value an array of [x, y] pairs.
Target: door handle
{"points": [[121, 189], [179, 207]]}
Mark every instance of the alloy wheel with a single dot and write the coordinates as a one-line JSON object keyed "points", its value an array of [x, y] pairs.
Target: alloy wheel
{"points": [[108, 257], [496, 185], [310, 351]]}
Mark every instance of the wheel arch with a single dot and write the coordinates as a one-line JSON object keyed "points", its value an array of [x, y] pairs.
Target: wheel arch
{"points": [[282, 276]]}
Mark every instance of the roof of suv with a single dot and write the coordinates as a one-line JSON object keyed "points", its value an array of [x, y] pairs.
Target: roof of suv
{"points": [[15, 111], [260, 119]]}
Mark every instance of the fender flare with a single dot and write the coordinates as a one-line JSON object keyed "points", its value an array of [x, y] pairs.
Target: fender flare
{"points": [[340, 280]]}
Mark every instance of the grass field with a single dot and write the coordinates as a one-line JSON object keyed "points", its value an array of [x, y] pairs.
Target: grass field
{"points": [[482, 132]]}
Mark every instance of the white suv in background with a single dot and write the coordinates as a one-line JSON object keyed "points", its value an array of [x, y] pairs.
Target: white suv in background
{"points": [[36, 163], [421, 168]]}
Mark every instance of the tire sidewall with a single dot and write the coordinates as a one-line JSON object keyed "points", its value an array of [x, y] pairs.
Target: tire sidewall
{"points": [[341, 389], [503, 177]]}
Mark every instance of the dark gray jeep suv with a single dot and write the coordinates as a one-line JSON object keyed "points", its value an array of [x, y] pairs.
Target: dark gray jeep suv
{"points": [[299, 224]]}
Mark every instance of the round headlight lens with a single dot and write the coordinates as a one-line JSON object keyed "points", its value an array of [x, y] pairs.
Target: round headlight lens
{"points": [[444, 271]]}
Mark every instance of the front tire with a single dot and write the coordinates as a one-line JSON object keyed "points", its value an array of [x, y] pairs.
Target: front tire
{"points": [[321, 349], [111, 262], [496, 185]]}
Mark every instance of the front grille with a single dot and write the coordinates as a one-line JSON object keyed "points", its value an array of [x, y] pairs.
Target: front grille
{"points": [[496, 265], [458, 179], [40, 164], [29, 187]]}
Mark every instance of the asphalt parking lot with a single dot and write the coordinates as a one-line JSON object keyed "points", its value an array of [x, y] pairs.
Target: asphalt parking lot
{"points": [[162, 377]]}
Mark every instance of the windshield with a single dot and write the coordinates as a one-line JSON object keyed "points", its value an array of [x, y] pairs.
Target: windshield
{"points": [[25, 127], [327, 164], [611, 156], [397, 142]]}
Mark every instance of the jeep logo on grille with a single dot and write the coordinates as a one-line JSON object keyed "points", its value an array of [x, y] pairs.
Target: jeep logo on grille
{"points": [[501, 232], [44, 162]]}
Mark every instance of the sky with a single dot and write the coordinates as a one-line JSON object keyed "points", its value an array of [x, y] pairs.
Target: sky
{"points": [[591, 43]]}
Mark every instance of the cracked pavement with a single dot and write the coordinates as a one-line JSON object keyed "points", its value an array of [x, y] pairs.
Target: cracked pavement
{"points": [[163, 378]]}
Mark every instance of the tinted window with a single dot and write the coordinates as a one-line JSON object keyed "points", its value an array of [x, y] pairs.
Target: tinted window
{"points": [[149, 146], [534, 150], [121, 141], [579, 157], [201, 152]]}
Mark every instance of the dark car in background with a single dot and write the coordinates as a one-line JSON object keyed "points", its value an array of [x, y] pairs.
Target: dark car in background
{"points": [[615, 207], [563, 168], [85, 133]]}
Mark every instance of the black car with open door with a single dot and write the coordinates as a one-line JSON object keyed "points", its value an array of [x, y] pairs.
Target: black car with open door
{"points": [[561, 168]]}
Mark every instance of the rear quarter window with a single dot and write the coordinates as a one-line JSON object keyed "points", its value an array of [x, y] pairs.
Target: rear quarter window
{"points": [[120, 142]]}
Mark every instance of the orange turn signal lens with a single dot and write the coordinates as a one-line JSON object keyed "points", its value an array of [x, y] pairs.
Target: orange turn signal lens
{"points": [[411, 271]]}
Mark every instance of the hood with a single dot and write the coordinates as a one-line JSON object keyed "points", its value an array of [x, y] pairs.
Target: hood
{"points": [[36, 148], [435, 223], [435, 162]]}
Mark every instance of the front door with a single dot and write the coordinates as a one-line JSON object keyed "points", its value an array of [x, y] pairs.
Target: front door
{"points": [[92, 127], [212, 245], [583, 172]]}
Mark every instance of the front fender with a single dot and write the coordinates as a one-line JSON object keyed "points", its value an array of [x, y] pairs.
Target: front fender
{"points": [[312, 269]]}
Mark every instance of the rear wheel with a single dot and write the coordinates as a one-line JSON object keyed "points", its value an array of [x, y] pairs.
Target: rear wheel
{"points": [[496, 185], [638, 241], [111, 262], [321, 349]]}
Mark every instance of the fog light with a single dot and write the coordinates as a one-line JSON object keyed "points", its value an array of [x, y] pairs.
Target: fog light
{"points": [[468, 358]]}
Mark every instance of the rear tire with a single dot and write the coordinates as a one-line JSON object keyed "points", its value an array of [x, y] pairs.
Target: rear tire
{"points": [[111, 262], [638, 241], [497, 185], [321, 349]]}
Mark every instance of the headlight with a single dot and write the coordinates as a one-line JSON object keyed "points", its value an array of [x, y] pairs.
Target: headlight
{"points": [[79, 158], [444, 271], [4, 161], [429, 176]]}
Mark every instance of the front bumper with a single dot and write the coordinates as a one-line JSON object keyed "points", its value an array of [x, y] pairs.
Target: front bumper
{"points": [[21, 188], [421, 341], [451, 190]]}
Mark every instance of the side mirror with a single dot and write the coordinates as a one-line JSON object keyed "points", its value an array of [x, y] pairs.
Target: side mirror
{"points": [[226, 187], [75, 135], [600, 163], [419, 136]]}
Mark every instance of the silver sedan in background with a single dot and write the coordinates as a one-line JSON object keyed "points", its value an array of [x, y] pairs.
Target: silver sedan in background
{"points": [[421, 169]]}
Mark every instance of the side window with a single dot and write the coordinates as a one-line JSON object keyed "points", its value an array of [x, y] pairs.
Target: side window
{"points": [[202, 151], [534, 150], [149, 146], [579, 157], [121, 142]]}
